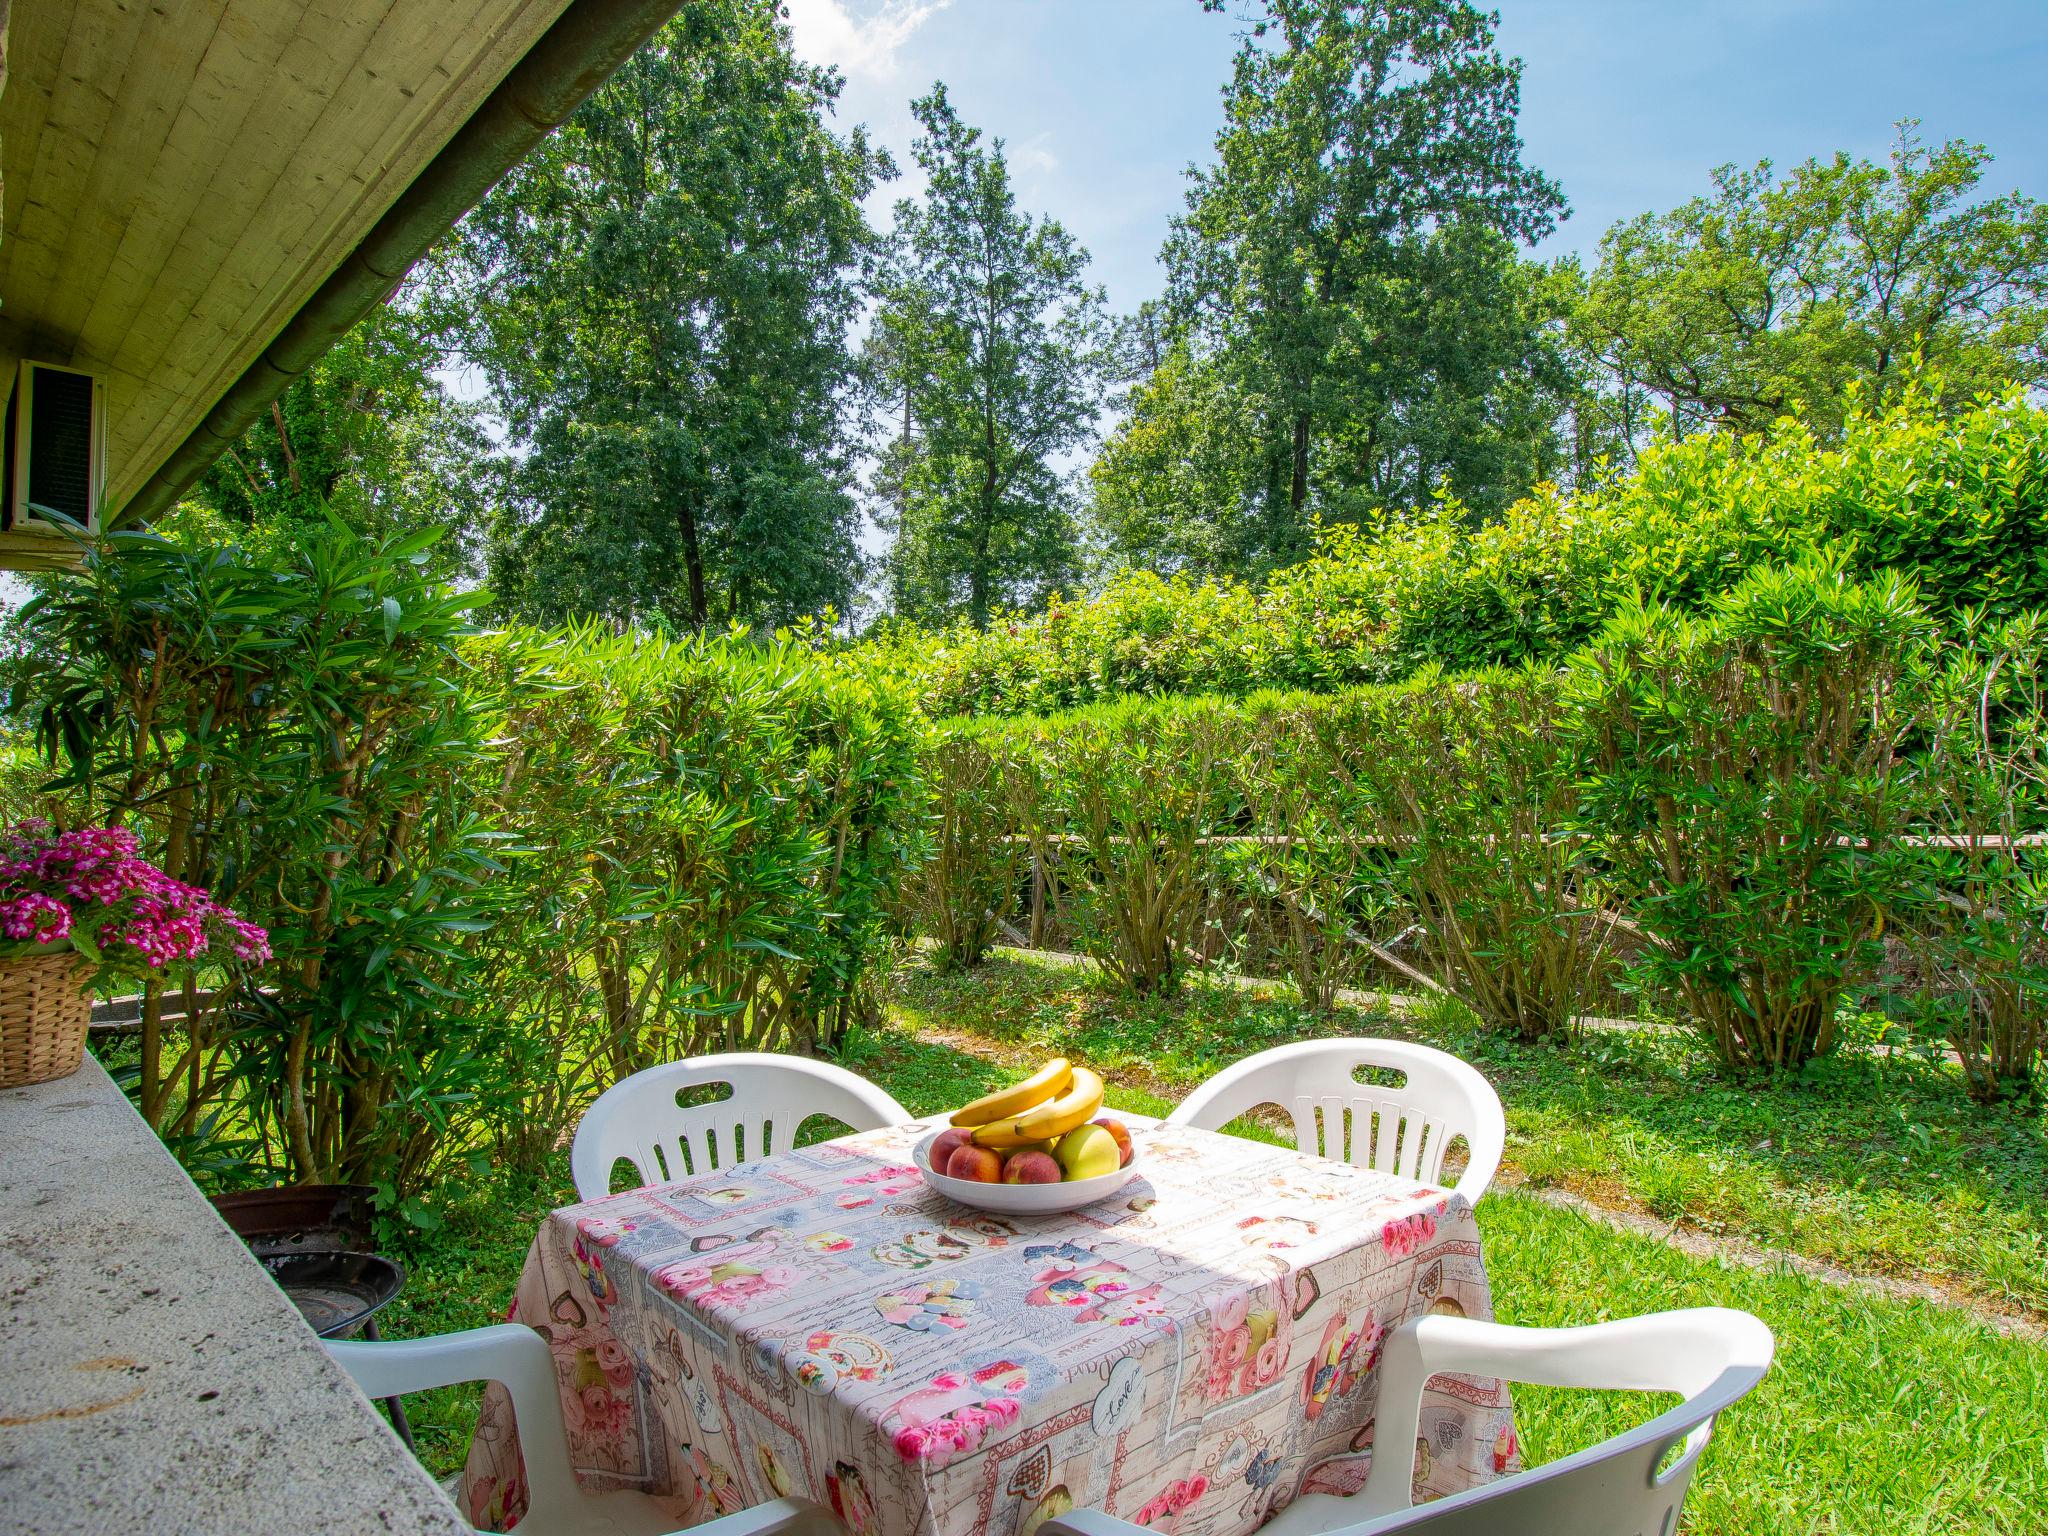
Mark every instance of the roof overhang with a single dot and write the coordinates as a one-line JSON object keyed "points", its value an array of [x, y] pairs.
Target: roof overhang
{"points": [[201, 198]]}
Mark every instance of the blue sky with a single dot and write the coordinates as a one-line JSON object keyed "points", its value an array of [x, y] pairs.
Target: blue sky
{"points": [[1628, 103]]}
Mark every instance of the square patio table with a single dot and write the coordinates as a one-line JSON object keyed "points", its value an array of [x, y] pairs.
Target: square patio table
{"points": [[1190, 1354]]}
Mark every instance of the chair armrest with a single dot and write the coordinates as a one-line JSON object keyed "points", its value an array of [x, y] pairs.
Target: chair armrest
{"points": [[393, 1367], [1710, 1354], [778, 1517], [509, 1353]]}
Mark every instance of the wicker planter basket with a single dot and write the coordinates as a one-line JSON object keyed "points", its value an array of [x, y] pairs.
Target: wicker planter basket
{"points": [[44, 1009]]}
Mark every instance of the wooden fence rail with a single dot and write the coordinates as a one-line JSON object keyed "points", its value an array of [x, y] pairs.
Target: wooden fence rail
{"points": [[1956, 840]]}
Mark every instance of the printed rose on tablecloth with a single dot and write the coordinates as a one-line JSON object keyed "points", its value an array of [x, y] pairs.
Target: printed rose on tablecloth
{"points": [[1403, 1237], [616, 1364], [953, 1413], [728, 1279], [1164, 1512], [1250, 1339]]}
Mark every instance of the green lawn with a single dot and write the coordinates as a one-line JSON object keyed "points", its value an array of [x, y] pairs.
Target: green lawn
{"points": [[1881, 1416]]}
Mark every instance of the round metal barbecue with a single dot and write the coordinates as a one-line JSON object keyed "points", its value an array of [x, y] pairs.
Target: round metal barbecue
{"points": [[337, 1291], [310, 1238]]}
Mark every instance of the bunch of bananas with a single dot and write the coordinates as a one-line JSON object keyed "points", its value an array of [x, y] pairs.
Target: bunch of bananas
{"points": [[1054, 1100]]}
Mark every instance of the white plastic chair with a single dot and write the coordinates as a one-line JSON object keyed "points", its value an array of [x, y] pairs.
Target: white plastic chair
{"points": [[1404, 1130], [1710, 1354], [518, 1357], [772, 1096]]}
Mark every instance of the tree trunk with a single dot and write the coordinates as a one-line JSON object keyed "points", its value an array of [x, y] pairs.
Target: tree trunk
{"points": [[693, 561], [978, 583], [1297, 482]]}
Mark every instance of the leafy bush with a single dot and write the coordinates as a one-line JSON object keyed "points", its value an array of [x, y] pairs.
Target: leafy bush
{"points": [[290, 731], [1315, 857], [969, 884], [1977, 925], [710, 834], [1472, 782], [1131, 793], [1733, 798], [1741, 787], [1185, 824], [497, 870], [1958, 503]]}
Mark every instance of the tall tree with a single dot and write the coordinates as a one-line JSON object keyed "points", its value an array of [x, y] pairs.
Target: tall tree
{"points": [[995, 340], [1770, 296], [1347, 262], [663, 294]]}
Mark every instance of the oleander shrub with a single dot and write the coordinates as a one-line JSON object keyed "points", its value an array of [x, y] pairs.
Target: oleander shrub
{"points": [[1128, 795], [1975, 917], [710, 834], [499, 870], [978, 857], [1472, 783], [293, 730], [1741, 786], [1315, 860]]}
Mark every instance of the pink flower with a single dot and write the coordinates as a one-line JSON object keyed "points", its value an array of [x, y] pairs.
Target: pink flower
{"points": [[36, 918], [92, 881]]}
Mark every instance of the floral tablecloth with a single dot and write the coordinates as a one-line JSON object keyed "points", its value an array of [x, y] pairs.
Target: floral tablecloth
{"points": [[1189, 1355]]}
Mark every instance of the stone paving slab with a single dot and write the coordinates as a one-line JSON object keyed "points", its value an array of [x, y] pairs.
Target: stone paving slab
{"points": [[152, 1378]]}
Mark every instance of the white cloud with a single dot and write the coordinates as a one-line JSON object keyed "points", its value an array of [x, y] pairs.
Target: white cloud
{"points": [[1035, 155], [859, 36]]}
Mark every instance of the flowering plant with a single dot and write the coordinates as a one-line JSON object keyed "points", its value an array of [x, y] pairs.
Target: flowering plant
{"points": [[91, 887]]}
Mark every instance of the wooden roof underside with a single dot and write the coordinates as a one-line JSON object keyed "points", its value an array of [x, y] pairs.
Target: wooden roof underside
{"points": [[179, 176]]}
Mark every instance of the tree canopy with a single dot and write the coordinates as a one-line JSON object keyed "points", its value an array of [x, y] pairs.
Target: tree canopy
{"points": [[706, 373], [369, 437], [662, 297], [1774, 296], [994, 342], [1345, 270]]}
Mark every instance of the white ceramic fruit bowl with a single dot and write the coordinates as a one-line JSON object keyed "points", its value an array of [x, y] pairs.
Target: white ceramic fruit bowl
{"points": [[1024, 1199]]}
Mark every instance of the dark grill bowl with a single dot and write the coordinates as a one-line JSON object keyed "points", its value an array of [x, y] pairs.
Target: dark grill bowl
{"points": [[336, 1292]]}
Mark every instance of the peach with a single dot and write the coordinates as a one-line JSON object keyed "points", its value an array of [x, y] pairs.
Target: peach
{"points": [[979, 1164], [944, 1147], [1028, 1165], [1122, 1134]]}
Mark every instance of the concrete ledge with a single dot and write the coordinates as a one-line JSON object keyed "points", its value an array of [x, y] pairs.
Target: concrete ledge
{"points": [[151, 1376]]}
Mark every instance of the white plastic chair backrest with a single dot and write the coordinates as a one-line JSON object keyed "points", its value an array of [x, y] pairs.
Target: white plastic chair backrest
{"points": [[1401, 1130], [510, 1353], [1711, 1356], [771, 1098]]}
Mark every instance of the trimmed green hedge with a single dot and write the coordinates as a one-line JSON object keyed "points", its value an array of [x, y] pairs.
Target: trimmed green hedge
{"points": [[1957, 504], [1717, 803]]}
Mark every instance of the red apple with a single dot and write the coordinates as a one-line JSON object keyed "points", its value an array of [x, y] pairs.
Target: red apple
{"points": [[979, 1164], [1028, 1165], [1122, 1134], [944, 1146]]}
